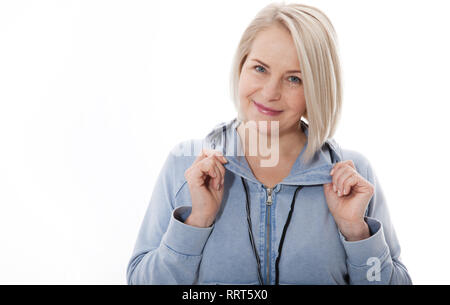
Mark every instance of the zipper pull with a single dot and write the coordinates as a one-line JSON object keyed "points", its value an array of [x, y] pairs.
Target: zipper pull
{"points": [[269, 196]]}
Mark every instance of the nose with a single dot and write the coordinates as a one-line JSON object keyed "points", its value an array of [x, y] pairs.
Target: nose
{"points": [[271, 90]]}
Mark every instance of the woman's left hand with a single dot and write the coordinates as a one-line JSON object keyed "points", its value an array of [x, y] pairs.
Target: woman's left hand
{"points": [[347, 197]]}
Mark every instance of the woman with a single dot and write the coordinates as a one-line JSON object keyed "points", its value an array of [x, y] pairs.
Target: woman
{"points": [[311, 213]]}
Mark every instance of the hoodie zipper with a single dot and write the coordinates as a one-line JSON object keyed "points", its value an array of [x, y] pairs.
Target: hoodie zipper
{"points": [[268, 206]]}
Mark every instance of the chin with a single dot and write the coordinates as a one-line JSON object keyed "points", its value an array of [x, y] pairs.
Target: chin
{"points": [[263, 124]]}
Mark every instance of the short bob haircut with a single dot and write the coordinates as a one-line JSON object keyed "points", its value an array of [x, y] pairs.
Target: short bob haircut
{"points": [[317, 48]]}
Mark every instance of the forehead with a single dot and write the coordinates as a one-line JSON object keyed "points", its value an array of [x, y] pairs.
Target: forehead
{"points": [[276, 47]]}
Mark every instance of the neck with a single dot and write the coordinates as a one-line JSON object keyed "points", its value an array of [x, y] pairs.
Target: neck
{"points": [[290, 142]]}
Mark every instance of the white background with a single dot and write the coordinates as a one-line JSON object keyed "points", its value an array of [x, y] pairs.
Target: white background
{"points": [[94, 94]]}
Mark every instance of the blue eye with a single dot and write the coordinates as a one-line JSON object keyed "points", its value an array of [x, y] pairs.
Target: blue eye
{"points": [[259, 67], [298, 79]]}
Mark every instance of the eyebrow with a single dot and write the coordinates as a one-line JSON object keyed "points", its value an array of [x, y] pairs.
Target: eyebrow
{"points": [[290, 71]]}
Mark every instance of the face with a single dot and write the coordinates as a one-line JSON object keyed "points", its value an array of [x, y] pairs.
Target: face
{"points": [[270, 84]]}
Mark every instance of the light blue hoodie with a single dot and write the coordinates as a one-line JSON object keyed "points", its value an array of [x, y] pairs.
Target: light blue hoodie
{"points": [[313, 250]]}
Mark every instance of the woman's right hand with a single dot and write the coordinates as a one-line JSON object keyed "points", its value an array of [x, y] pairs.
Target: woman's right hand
{"points": [[205, 179]]}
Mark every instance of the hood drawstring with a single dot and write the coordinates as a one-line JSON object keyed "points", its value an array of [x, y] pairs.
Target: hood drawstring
{"points": [[286, 225], [250, 233], [280, 247]]}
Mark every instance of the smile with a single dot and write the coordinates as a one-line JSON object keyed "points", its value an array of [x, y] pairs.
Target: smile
{"points": [[265, 110]]}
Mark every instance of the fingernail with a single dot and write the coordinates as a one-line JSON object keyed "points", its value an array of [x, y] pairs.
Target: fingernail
{"points": [[339, 193], [218, 186], [331, 173]]}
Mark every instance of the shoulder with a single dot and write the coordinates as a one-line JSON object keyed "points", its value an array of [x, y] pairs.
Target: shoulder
{"points": [[361, 162], [213, 137], [183, 154], [180, 157]]}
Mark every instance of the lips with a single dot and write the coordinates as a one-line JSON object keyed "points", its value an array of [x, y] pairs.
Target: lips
{"points": [[266, 110]]}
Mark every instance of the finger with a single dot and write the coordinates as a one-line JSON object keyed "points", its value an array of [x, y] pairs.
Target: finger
{"points": [[335, 173], [342, 163], [201, 156], [343, 174], [360, 185], [336, 166], [350, 163], [209, 152], [219, 156], [221, 169], [218, 178], [339, 177], [349, 182], [213, 164], [198, 174], [223, 159], [207, 166]]}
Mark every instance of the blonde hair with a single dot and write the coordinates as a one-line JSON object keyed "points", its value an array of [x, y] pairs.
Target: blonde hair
{"points": [[316, 42]]}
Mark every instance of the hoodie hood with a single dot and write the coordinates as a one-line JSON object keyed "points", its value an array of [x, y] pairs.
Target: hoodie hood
{"points": [[225, 138]]}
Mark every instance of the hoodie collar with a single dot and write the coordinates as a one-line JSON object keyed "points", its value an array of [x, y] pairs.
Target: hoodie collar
{"points": [[225, 138]]}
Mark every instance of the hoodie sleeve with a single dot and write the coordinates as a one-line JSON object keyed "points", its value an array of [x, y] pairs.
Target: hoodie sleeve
{"points": [[376, 260], [167, 251]]}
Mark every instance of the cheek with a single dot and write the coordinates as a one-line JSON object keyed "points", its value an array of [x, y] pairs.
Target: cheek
{"points": [[299, 97], [247, 84], [297, 102]]}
